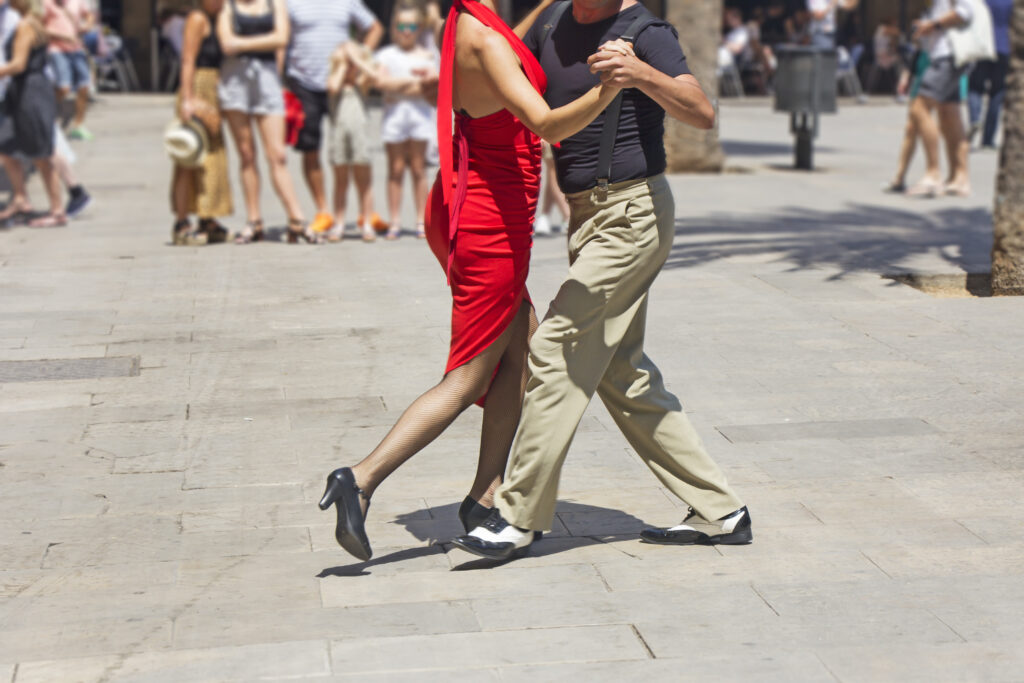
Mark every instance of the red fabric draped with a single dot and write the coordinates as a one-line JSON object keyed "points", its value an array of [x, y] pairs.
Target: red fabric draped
{"points": [[531, 67], [481, 208]]}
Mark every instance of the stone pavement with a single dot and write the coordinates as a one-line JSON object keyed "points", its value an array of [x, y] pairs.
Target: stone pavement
{"points": [[158, 477]]}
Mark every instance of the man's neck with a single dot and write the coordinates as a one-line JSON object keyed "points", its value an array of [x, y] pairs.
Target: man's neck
{"points": [[590, 11]]}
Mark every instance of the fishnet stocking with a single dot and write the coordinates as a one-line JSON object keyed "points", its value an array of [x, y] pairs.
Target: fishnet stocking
{"points": [[430, 414]]}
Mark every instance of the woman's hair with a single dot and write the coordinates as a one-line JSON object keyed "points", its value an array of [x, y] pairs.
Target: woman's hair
{"points": [[28, 7]]}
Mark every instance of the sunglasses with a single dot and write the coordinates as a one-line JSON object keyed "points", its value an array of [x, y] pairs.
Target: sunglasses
{"points": [[401, 26]]}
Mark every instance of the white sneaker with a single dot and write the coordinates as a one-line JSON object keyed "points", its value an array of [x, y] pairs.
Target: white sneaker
{"points": [[542, 226]]}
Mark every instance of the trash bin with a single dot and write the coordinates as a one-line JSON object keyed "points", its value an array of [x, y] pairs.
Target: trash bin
{"points": [[805, 87]]}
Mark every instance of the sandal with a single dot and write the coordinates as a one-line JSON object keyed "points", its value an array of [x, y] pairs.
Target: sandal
{"points": [[957, 189], [50, 220], [925, 188], [369, 234], [214, 231], [394, 232], [252, 232], [421, 231], [16, 213], [183, 235], [892, 187], [298, 230]]}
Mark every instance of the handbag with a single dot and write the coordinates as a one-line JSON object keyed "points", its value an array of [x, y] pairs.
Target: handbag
{"points": [[975, 41]]}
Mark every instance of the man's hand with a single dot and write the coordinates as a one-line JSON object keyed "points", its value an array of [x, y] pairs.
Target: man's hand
{"points": [[618, 65]]}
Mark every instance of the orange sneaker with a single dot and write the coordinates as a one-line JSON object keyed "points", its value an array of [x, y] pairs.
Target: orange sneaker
{"points": [[322, 222], [377, 223]]}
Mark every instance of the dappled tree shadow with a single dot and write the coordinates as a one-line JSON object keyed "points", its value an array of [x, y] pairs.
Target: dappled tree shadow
{"points": [[856, 238]]}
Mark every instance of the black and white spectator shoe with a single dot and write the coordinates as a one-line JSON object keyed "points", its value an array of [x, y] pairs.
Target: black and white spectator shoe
{"points": [[496, 539], [733, 529]]}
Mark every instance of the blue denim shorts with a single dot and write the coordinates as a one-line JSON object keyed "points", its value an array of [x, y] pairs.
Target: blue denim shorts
{"points": [[71, 70]]}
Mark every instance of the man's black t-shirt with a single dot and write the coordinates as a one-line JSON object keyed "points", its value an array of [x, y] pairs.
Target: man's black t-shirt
{"points": [[639, 147]]}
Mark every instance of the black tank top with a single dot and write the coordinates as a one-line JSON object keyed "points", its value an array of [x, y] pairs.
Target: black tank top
{"points": [[210, 56], [254, 25]]}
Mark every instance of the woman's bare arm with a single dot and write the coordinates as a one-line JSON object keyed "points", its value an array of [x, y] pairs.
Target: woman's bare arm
{"points": [[523, 27], [272, 42], [23, 39], [513, 91], [195, 26]]}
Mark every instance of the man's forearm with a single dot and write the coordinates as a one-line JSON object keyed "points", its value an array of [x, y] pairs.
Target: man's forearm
{"points": [[681, 98]]}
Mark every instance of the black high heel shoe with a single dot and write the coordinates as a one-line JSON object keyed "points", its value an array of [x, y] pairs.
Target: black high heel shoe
{"points": [[472, 514], [343, 493]]}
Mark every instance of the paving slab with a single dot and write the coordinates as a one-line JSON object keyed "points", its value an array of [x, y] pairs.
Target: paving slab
{"points": [[159, 476]]}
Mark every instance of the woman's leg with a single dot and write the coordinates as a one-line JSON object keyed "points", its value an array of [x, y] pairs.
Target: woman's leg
{"points": [[418, 171], [19, 196], [272, 135], [241, 132], [397, 152], [181, 193], [502, 408], [922, 109], [907, 150], [957, 147], [48, 173], [430, 414]]}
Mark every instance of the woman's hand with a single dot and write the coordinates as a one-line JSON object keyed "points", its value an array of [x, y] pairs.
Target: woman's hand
{"points": [[187, 109], [618, 65], [230, 46]]}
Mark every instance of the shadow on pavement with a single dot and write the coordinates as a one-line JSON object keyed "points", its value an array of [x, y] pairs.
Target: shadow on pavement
{"points": [[857, 238], [577, 526]]}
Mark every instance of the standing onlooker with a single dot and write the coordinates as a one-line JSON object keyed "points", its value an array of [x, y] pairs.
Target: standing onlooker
{"points": [[31, 103], [65, 21], [989, 77], [17, 205], [318, 28], [253, 34], [550, 196], [205, 190], [349, 146], [405, 72], [823, 20], [940, 92]]}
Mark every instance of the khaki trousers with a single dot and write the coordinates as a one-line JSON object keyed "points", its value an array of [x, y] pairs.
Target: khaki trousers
{"points": [[592, 339]]}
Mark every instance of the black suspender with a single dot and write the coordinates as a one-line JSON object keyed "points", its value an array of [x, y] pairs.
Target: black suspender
{"points": [[553, 20], [611, 115]]}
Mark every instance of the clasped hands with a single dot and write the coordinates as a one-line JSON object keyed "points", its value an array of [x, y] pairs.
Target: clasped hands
{"points": [[618, 65]]}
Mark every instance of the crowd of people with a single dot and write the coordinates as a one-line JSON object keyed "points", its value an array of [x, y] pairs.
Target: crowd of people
{"points": [[43, 59], [920, 66], [299, 73]]}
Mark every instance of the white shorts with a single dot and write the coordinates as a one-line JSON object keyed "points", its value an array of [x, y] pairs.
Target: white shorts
{"points": [[250, 85], [407, 120]]}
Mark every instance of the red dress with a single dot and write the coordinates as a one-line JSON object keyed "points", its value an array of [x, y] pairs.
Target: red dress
{"points": [[480, 210]]}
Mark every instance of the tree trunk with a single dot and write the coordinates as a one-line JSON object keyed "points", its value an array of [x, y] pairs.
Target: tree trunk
{"points": [[1008, 217], [699, 23]]}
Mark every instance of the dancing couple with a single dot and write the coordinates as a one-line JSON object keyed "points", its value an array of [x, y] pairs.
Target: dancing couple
{"points": [[558, 76]]}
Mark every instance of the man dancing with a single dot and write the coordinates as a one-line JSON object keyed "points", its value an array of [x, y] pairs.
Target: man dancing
{"points": [[621, 227]]}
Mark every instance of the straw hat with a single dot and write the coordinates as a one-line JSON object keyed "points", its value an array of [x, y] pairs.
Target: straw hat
{"points": [[187, 142]]}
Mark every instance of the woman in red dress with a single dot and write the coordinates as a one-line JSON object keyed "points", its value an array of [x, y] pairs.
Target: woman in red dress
{"points": [[480, 213]]}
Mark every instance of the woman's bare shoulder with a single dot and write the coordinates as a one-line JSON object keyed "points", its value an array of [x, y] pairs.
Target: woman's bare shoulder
{"points": [[474, 32]]}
